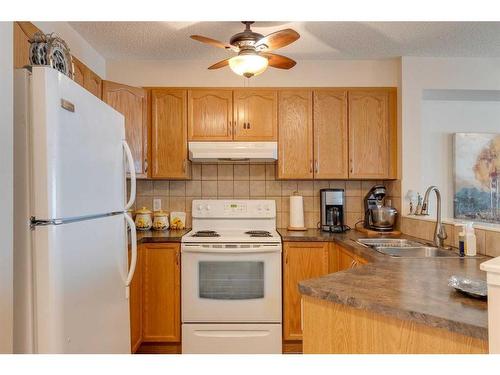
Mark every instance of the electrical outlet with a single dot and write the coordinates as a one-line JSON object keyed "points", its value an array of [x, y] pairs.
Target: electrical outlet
{"points": [[156, 204]]}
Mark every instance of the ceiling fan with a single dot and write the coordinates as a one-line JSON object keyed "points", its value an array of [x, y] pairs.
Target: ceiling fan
{"points": [[253, 50]]}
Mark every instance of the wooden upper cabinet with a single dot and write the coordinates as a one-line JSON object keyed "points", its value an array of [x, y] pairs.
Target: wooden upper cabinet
{"points": [[372, 141], [131, 102], [295, 134], [78, 71], [330, 134], [161, 293], [21, 47], [92, 82], [169, 134], [255, 115], [210, 115], [86, 78], [301, 261]]}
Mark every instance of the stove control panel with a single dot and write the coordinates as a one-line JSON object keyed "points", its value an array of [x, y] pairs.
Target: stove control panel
{"points": [[212, 208]]}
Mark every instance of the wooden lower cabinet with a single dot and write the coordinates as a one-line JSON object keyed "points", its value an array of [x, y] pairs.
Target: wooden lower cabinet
{"points": [[340, 259], [155, 305], [301, 261], [161, 299]]}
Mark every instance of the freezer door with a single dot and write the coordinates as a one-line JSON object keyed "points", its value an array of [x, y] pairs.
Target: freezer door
{"points": [[77, 154], [80, 272]]}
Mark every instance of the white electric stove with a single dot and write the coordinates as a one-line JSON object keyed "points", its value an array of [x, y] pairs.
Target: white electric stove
{"points": [[231, 278]]}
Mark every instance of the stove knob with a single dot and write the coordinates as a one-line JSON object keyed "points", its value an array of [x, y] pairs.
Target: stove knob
{"points": [[268, 209], [199, 207], [259, 208], [207, 207]]}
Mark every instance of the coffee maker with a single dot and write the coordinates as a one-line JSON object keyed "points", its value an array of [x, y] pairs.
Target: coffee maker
{"points": [[332, 210], [377, 216]]}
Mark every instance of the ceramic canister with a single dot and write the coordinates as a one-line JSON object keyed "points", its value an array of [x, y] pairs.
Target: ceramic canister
{"points": [[143, 220], [160, 220]]}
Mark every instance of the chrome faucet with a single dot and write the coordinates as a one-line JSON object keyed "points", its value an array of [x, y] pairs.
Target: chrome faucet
{"points": [[440, 231]]}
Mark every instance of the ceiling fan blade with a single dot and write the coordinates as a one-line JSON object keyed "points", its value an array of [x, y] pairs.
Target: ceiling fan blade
{"points": [[212, 42], [278, 61], [219, 64], [277, 40]]}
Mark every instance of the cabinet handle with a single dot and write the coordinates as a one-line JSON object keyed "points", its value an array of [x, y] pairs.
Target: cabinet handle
{"points": [[184, 165], [316, 166], [311, 167], [145, 165], [248, 125], [177, 260], [286, 259], [245, 125]]}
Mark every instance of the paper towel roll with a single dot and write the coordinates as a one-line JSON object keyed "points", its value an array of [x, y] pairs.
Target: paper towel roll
{"points": [[296, 212]]}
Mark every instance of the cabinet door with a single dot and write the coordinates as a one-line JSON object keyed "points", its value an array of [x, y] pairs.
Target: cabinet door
{"points": [[255, 115], [302, 261], [295, 134], [161, 293], [370, 134], [21, 47], [78, 71], [92, 82], [169, 133], [136, 304], [131, 102], [210, 115], [330, 134]]}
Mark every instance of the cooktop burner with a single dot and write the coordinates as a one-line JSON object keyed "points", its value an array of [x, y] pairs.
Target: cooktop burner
{"points": [[206, 233], [258, 233]]}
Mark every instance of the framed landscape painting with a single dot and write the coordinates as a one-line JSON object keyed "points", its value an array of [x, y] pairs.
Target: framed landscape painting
{"points": [[477, 177]]}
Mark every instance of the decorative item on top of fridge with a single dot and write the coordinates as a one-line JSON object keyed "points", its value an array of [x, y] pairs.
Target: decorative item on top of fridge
{"points": [[51, 50]]}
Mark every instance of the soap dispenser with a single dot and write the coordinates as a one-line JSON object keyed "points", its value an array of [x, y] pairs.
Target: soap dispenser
{"points": [[470, 240]]}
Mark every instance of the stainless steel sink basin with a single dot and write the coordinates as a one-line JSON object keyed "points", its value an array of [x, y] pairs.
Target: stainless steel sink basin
{"points": [[388, 242], [403, 248], [417, 252]]}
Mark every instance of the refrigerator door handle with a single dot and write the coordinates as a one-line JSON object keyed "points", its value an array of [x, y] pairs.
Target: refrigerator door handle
{"points": [[131, 168], [133, 252]]}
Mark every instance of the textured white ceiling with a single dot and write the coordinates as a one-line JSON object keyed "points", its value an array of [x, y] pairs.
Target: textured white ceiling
{"points": [[319, 40]]}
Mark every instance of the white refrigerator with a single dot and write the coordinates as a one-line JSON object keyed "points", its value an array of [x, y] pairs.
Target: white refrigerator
{"points": [[71, 268]]}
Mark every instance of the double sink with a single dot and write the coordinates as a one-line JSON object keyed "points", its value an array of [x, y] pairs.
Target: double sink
{"points": [[403, 248]]}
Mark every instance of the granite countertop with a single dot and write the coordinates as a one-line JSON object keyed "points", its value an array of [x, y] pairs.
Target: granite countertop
{"points": [[409, 289], [152, 236]]}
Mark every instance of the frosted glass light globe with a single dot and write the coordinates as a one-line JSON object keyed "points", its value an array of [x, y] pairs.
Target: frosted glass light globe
{"points": [[248, 65]]}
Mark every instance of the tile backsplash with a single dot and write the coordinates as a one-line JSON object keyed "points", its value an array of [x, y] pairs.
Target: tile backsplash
{"points": [[251, 181]]}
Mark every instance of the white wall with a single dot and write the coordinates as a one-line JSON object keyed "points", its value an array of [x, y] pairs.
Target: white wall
{"points": [[6, 187], [305, 73], [78, 46], [441, 96]]}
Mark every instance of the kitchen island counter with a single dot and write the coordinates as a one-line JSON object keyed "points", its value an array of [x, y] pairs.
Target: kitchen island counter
{"points": [[412, 290]]}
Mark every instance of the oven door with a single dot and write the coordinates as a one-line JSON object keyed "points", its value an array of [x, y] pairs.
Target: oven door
{"points": [[226, 284]]}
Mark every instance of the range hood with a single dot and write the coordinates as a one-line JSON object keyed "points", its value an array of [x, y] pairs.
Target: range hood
{"points": [[232, 152]]}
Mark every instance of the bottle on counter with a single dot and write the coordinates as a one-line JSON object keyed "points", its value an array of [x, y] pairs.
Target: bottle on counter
{"points": [[470, 240], [461, 240]]}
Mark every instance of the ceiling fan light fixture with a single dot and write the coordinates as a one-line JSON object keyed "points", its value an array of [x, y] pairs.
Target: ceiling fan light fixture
{"points": [[248, 65]]}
